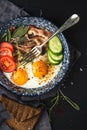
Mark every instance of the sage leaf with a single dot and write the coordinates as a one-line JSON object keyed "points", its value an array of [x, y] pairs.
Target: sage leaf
{"points": [[22, 39], [20, 31], [19, 40]]}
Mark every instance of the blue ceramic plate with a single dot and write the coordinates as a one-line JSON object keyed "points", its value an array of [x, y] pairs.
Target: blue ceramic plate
{"points": [[56, 81]]}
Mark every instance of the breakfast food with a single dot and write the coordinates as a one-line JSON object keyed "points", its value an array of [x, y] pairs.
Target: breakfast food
{"points": [[23, 116], [40, 70], [7, 63], [19, 76], [7, 45]]}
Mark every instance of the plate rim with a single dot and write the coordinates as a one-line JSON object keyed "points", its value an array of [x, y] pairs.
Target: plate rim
{"points": [[50, 88]]}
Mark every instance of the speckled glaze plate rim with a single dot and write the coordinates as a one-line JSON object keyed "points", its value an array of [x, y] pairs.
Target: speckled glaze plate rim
{"points": [[57, 80]]}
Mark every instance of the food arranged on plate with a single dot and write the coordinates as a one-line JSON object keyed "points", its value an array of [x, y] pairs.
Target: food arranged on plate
{"points": [[18, 41]]}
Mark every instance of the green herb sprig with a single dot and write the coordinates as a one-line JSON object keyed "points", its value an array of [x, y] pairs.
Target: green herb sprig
{"points": [[73, 104], [6, 36], [17, 36], [20, 31], [56, 99]]}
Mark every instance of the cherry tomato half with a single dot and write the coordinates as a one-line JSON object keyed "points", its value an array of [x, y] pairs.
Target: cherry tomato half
{"points": [[7, 64], [8, 45], [5, 51]]}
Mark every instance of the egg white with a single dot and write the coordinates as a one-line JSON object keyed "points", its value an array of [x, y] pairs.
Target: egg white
{"points": [[35, 82]]}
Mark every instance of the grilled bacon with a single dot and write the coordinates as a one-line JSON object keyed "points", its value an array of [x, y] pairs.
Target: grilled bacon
{"points": [[39, 31], [36, 36]]}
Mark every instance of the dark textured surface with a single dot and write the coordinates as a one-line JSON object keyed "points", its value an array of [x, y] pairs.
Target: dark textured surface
{"points": [[7, 12], [56, 11]]}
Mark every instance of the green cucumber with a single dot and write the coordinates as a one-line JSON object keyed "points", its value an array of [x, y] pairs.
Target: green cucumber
{"points": [[51, 60], [55, 45], [56, 57]]}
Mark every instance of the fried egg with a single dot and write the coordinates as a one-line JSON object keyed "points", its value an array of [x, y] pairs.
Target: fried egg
{"points": [[33, 78]]}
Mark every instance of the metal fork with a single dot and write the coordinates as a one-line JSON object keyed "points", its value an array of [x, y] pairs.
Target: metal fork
{"points": [[36, 51]]}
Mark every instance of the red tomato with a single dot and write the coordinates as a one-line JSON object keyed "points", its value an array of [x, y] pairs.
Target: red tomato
{"points": [[7, 64], [5, 51], [7, 44]]}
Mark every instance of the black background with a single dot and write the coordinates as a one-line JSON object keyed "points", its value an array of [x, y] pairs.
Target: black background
{"points": [[58, 11]]}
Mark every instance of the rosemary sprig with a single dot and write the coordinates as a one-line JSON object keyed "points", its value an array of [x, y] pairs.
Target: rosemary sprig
{"points": [[56, 99], [73, 104], [54, 102]]}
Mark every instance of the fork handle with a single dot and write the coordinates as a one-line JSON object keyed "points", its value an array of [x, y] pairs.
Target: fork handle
{"points": [[67, 24]]}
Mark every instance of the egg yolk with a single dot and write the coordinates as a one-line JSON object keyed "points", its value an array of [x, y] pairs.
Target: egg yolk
{"points": [[20, 76], [39, 69]]}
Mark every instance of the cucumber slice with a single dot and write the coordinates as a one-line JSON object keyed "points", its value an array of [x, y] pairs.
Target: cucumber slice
{"points": [[56, 57], [55, 45], [52, 61]]}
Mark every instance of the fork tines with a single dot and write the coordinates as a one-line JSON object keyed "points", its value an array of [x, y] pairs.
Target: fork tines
{"points": [[28, 57]]}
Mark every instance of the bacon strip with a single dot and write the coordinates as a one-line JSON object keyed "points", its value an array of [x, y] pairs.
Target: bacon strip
{"points": [[36, 36], [39, 31]]}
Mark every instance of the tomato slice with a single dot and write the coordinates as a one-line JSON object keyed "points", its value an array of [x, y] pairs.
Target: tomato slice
{"points": [[5, 51], [7, 64], [8, 45]]}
